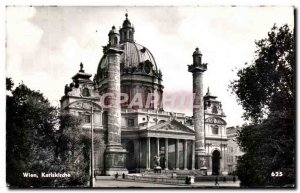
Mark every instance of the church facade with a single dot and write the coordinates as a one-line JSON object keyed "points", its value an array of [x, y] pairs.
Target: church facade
{"points": [[127, 136]]}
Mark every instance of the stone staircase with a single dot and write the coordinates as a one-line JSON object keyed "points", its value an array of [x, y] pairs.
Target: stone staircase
{"points": [[177, 172], [181, 174]]}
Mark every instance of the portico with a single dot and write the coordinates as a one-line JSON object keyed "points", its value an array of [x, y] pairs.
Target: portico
{"points": [[171, 140]]}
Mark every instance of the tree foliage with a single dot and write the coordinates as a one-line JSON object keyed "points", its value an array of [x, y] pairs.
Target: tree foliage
{"points": [[266, 90], [35, 145], [268, 84]]}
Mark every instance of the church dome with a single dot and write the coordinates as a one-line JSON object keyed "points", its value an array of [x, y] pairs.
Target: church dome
{"points": [[138, 69], [135, 57]]}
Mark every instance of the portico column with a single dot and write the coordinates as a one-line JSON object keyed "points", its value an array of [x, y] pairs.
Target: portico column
{"points": [[193, 155], [166, 154], [177, 154], [157, 146], [185, 154], [148, 154]]}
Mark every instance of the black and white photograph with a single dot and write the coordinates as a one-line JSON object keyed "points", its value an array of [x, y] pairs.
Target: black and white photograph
{"points": [[190, 97]]}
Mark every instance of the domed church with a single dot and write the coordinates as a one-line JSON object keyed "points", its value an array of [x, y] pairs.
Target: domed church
{"points": [[128, 136]]}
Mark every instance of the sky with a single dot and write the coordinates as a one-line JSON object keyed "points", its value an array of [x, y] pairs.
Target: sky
{"points": [[45, 45]]}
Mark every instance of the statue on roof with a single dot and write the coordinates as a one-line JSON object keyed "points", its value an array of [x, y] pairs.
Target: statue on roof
{"points": [[81, 67], [208, 92]]}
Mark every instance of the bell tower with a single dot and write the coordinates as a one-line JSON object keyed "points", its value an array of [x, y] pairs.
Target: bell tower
{"points": [[114, 37], [127, 31]]}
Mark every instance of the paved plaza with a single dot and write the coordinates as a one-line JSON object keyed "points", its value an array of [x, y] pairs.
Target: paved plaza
{"points": [[109, 181]]}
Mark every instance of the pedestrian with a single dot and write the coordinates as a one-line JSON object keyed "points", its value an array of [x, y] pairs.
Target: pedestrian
{"points": [[216, 181], [187, 180], [123, 175], [234, 179], [224, 179], [117, 175]]}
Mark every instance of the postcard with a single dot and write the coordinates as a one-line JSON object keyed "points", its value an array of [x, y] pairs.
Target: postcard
{"points": [[150, 97]]}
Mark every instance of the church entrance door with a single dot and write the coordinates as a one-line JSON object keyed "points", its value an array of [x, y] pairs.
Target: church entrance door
{"points": [[130, 158], [215, 162]]}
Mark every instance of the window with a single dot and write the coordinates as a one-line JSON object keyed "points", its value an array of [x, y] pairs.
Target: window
{"points": [[215, 130], [147, 99], [130, 35], [85, 92], [215, 110], [115, 40], [104, 119], [87, 118], [130, 122], [84, 117]]}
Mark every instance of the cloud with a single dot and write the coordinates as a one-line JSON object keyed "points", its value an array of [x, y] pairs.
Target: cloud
{"points": [[22, 39], [20, 32]]}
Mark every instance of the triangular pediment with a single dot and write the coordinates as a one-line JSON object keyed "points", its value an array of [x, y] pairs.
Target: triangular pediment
{"points": [[84, 105], [171, 126]]}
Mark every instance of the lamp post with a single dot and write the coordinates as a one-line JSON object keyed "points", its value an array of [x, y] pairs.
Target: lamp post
{"points": [[92, 175], [222, 151], [92, 179]]}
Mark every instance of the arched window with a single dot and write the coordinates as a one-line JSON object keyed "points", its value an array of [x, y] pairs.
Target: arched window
{"points": [[85, 92], [214, 110], [115, 40], [148, 99], [130, 35], [215, 130], [123, 37], [127, 35], [105, 119]]}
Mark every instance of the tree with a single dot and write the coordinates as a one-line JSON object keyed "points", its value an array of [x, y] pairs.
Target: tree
{"points": [[266, 90], [35, 145], [28, 122], [72, 151]]}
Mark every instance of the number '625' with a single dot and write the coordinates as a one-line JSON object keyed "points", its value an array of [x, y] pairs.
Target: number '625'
{"points": [[276, 174]]}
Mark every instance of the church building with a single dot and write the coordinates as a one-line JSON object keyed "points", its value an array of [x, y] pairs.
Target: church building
{"points": [[127, 138]]}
